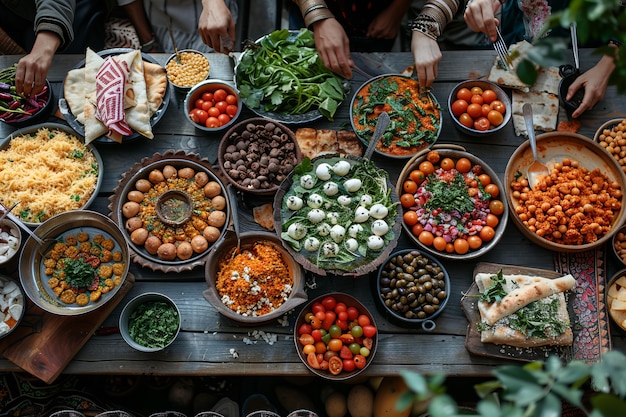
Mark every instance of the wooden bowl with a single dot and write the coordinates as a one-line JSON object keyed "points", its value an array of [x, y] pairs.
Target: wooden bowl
{"points": [[349, 301], [248, 239], [267, 150], [552, 147], [455, 153]]}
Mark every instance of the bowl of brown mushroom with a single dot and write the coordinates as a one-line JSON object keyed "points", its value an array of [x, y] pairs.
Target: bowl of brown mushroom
{"points": [[256, 155]]}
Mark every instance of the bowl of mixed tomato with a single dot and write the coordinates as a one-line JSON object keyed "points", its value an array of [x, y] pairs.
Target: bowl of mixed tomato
{"points": [[415, 115], [336, 336], [452, 203], [212, 105], [479, 107]]}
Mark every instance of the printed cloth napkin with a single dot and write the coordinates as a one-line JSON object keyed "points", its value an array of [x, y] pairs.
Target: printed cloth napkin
{"points": [[110, 82]]}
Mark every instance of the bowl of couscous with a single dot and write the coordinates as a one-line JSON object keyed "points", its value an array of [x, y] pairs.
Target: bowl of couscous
{"points": [[187, 68], [238, 287]]}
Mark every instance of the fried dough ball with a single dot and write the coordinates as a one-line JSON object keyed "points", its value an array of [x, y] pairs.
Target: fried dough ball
{"points": [[68, 297], [82, 299]]}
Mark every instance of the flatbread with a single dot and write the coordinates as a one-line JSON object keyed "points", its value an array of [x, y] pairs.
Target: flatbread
{"points": [[156, 84], [508, 78], [306, 138], [545, 111], [264, 216], [349, 143], [74, 93], [138, 115], [503, 334], [314, 142], [94, 128], [521, 291]]}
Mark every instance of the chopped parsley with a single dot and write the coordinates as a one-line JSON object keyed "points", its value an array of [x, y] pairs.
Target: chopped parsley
{"points": [[539, 319], [153, 324], [449, 195], [78, 273], [495, 292]]}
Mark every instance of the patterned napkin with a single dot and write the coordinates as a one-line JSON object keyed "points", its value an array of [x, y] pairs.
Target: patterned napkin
{"points": [[110, 81]]}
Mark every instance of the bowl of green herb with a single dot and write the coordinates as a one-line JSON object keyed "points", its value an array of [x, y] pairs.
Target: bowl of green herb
{"points": [[150, 322], [282, 77], [414, 112]]}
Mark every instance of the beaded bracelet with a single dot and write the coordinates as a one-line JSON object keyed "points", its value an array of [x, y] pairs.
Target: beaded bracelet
{"points": [[426, 25]]}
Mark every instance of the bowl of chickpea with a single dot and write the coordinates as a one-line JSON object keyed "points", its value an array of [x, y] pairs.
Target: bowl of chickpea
{"points": [[579, 206], [187, 68], [612, 137], [82, 263]]}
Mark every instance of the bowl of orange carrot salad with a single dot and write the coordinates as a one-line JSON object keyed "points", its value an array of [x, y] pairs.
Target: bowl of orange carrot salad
{"points": [[414, 112], [255, 283]]}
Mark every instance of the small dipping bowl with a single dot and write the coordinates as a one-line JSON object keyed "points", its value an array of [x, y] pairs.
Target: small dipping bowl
{"points": [[174, 207]]}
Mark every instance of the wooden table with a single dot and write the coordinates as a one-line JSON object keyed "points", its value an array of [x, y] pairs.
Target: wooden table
{"points": [[203, 346]]}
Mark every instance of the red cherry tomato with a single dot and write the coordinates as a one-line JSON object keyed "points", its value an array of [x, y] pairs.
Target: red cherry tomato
{"points": [[369, 330], [220, 94], [212, 122], [329, 302], [340, 307], [200, 115], [312, 361], [213, 112], [223, 118], [208, 96], [198, 103], [221, 106], [343, 316], [317, 307], [348, 365], [231, 110], [363, 320], [317, 334], [353, 313], [482, 123], [231, 99], [304, 328], [335, 365], [207, 105], [359, 361]]}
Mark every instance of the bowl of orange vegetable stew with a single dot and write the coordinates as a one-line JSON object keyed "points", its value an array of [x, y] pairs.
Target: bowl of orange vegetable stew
{"points": [[451, 202], [336, 336], [255, 283], [579, 206], [415, 115]]}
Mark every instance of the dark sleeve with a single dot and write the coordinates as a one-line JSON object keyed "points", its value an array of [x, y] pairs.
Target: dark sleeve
{"points": [[56, 16]]}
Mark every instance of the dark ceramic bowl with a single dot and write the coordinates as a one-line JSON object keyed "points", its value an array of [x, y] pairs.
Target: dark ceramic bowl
{"points": [[38, 116], [569, 75]]}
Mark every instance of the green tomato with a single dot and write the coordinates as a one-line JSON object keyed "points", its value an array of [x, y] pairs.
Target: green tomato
{"points": [[364, 351], [355, 348], [334, 331], [357, 331], [326, 338]]}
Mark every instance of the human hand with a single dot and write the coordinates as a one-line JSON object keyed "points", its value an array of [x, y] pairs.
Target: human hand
{"points": [[333, 46], [595, 81], [32, 69], [216, 26], [427, 55], [480, 17]]}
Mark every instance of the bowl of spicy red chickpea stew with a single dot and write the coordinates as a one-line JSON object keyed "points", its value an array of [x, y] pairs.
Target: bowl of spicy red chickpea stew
{"points": [[479, 107], [336, 336], [452, 203], [579, 206], [173, 209], [81, 265], [212, 105], [187, 68], [256, 282]]}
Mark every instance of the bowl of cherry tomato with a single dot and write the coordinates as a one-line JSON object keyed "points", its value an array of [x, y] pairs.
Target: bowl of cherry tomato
{"points": [[212, 105], [479, 107], [452, 203], [336, 336]]}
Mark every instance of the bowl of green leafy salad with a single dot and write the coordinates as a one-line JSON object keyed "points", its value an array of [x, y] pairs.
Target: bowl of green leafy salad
{"points": [[150, 322], [282, 77]]}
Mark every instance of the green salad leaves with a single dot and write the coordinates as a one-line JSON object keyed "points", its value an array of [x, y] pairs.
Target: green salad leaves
{"points": [[153, 324], [284, 74]]}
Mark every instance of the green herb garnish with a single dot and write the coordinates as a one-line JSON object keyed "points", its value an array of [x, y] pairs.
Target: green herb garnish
{"points": [[538, 319], [495, 292], [449, 195], [153, 324], [78, 273]]}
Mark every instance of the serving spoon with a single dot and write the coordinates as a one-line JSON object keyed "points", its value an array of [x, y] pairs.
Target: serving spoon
{"points": [[379, 130], [536, 170], [234, 211]]}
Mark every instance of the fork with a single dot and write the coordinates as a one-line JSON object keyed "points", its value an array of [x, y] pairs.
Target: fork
{"points": [[500, 46]]}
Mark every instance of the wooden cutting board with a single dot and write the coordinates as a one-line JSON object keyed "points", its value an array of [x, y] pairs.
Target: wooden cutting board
{"points": [[45, 343]]}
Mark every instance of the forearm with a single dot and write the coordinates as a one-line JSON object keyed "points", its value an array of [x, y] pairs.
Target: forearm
{"points": [[434, 17], [138, 18]]}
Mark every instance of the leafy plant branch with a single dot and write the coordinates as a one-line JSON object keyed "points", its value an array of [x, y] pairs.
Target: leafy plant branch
{"points": [[535, 389]]}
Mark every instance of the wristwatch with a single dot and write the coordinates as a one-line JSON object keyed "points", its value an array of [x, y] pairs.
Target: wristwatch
{"points": [[148, 46]]}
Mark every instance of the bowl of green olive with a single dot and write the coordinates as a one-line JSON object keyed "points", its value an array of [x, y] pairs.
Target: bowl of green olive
{"points": [[412, 289]]}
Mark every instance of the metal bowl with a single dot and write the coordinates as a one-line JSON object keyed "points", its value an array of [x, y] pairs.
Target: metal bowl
{"points": [[58, 228], [248, 239], [501, 95], [141, 172], [455, 153], [144, 301], [399, 309], [31, 130], [257, 136], [364, 114], [209, 86], [182, 67], [552, 147], [349, 301], [13, 305]]}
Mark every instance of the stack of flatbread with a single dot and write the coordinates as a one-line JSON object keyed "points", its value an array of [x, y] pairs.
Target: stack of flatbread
{"points": [[531, 311], [542, 95], [144, 87], [314, 142]]}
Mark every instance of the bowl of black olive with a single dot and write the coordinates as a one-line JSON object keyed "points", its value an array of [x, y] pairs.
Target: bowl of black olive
{"points": [[412, 289]]}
